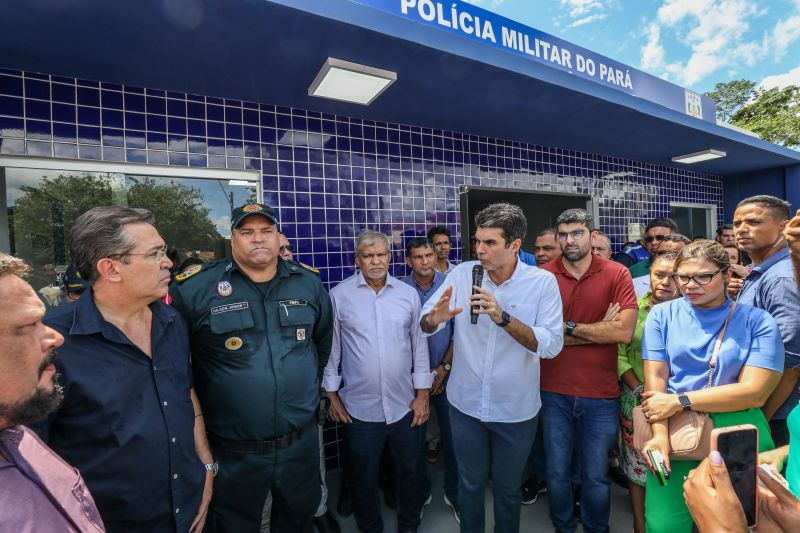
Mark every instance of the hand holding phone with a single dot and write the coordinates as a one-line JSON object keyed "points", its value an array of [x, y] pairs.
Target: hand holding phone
{"points": [[779, 509], [659, 466], [738, 446]]}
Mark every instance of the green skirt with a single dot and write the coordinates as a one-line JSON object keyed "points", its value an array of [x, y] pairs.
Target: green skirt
{"points": [[665, 510]]}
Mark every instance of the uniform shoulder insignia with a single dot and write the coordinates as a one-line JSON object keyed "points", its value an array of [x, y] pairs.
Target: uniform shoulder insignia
{"points": [[309, 268], [189, 272]]}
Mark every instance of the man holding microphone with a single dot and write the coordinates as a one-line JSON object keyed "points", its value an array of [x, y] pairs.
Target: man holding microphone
{"points": [[493, 389]]}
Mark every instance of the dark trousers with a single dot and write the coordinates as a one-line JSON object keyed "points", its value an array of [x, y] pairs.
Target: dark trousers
{"points": [[590, 424], [365, 440], [503, 446], [442, 406], [245, 480]]}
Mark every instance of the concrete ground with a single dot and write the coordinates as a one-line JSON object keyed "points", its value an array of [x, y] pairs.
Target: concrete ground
{"points": [[438, 518]]}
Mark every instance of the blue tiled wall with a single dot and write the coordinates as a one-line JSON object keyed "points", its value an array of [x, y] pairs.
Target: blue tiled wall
{"points": [[329, 176]]}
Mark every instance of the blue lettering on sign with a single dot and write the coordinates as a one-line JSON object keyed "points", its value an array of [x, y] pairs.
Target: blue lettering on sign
{"points": [[499, 32]]}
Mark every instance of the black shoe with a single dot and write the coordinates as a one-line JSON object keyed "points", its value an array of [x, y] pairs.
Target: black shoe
{"points": [[326, 523], [454, 507], [345, 504], [531, 490]]}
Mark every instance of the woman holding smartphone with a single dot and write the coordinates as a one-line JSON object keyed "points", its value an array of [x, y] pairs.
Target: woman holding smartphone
{"points": [[677, 347], [631, 373]]}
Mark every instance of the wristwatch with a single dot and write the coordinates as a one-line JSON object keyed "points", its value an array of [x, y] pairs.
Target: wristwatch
{"points": [[506, 320], [212, 467], [570, 328], [447, 367], [685, 403]]}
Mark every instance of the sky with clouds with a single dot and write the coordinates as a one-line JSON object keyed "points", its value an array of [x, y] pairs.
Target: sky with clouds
{"points": [[694, 43]]}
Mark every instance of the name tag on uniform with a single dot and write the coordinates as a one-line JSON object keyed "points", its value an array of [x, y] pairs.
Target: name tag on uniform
{"points": [[227, 308], [292, 303]]}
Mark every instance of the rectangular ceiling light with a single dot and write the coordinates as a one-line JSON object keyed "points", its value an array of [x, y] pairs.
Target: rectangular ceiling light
{"points": [[243, 183], [350, 82], [696, 157]]}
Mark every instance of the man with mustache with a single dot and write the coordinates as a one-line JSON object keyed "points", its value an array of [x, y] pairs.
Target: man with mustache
{"points": [[261, 330], [130, 421], [38, 490]]}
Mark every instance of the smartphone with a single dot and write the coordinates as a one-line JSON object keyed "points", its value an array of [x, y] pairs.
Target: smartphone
{"points": [[738, 446], [659, 466]]}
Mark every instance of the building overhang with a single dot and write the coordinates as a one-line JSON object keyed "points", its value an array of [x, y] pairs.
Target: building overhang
{"points": [[271, 50]]}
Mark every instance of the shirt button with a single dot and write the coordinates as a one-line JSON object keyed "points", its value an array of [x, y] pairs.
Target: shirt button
{"points": [[175, 476], [178, 510], [165, 404], [173, 440]]}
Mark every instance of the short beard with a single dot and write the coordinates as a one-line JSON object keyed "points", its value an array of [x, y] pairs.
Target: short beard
{"points": [[37, 406]]}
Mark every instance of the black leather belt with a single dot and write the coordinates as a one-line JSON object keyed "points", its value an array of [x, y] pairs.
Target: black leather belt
{"points": [[260, 446]]}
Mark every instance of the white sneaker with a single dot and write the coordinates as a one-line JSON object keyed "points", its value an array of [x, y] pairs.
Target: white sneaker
{"points": [[454, 508]]}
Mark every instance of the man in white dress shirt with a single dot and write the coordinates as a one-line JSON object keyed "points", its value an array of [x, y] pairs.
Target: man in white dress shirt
{"points": [[378, 379], [494, 382]]}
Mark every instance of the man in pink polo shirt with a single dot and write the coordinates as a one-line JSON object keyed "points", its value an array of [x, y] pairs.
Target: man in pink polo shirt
{"points": [[38, 490]]}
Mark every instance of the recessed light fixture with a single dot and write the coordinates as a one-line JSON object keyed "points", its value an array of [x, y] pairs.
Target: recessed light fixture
{"points": [[696, 157], [244, 183], [350, 82]]}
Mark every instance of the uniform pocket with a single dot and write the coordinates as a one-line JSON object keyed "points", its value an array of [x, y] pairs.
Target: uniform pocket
{"points": [[297, 322], [231, 321]]}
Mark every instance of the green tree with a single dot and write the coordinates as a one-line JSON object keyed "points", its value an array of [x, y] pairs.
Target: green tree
{"points": [[45, 212], [730, 96], [774, 115]]}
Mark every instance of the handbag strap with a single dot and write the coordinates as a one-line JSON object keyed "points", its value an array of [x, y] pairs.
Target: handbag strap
{"points": [[713, 363]]}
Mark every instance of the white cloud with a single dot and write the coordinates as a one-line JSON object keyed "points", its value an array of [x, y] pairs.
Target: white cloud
{"points": [[782, 80], [582, 12], [718, 35]]}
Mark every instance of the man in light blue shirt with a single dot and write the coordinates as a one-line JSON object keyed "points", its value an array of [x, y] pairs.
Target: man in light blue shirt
{"points": [[421, 257], [493, 388], [758, 225], [378, 379]]}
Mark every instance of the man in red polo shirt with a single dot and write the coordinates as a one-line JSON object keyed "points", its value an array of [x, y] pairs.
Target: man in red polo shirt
{"points": [[580, 392]]}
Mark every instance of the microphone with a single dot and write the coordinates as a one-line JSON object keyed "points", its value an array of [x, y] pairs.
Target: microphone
{"points": [[477, 280]]}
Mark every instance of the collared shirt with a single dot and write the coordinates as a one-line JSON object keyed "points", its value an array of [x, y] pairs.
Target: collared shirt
{"points": [[39, 491], [439, 343], [771, 286], [528, 259], [257, 349], [588, 370], [127, 421], [494, 378], [380, 347], [450, 267]]}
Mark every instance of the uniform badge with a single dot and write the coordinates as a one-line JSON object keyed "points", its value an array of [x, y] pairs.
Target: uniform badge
{"points": [[189, 272], [301, 334], [224, 288], [252, 208], [234, 343]]}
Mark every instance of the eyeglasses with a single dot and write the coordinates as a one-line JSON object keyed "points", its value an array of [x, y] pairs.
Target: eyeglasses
{"points": [[156, 256], [369, 257], [575, 234], [651, 238], [285, 248], [700, 279]]}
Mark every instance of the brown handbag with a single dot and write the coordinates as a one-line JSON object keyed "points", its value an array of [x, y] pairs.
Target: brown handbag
{"points": [[689, 431]]}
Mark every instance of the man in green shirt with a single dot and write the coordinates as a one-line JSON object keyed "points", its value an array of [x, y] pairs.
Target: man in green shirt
{"points": [[261, 332]]}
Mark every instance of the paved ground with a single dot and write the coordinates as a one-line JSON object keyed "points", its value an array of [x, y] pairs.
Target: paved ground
{"points": [[439, 519]]}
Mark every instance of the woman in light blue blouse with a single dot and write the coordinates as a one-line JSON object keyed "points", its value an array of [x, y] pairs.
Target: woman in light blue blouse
{"points": [[677, 347]]}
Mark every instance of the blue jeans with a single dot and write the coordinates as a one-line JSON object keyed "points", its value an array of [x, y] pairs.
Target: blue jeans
{"points": [[590, 425], [442, 406], [501, 445], [365, 441]]}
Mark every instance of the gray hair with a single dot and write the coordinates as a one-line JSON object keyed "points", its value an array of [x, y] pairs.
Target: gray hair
{"points": [[576, 216], [507, 217], [675, 237], [369, 237], [100, 233]]}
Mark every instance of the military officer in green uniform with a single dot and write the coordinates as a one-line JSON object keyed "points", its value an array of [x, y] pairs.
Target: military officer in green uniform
{"points": [[261, 331]]}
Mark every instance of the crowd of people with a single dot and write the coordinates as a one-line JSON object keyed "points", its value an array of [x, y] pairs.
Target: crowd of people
{"points": [[194, 400]]}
